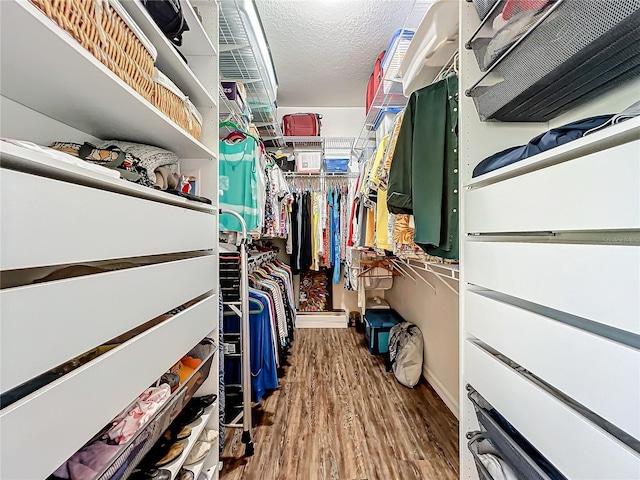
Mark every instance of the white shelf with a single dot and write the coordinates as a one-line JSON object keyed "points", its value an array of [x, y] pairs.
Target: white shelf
{"points": [[169, 61], [198, 467], [606, 138], [88, 96], [29, 161], [196, 42], [197, 428]]}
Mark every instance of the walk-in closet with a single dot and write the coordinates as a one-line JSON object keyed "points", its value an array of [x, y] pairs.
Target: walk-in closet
{"points": [[319, 240]]}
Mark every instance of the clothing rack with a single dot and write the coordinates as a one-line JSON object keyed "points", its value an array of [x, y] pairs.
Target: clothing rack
{"points": [[257, 261], [322, 175], [241, 308]]}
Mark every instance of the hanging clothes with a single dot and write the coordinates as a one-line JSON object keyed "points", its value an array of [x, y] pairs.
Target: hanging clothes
{"points": [[238, 183], [383, 168], [382, 222], [423, 178], [336, 241], [344, 219], [306, 251], [264, 373]]}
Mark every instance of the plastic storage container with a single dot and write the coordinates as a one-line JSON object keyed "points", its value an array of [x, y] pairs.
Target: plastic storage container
{"points": [[336, 165], [308, 162], [392, 59], [378, 324]]}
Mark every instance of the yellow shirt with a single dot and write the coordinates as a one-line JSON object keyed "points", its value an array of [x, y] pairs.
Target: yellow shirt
{"points": [[371, 228], [380, 154], [382, 222]]}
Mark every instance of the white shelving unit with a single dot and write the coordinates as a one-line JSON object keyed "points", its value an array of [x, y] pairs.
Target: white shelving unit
{"points": [[56, 214], [550, 248]]}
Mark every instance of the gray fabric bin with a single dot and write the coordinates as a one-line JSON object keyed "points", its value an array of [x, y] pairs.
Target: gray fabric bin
{"points": [[518, 454]]}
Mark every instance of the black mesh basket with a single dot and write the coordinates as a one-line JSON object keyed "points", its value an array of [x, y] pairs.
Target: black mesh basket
{"points": [[578, 50]]}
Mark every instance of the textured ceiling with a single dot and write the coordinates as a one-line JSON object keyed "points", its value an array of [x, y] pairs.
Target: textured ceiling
{"points": [[324, 50]]}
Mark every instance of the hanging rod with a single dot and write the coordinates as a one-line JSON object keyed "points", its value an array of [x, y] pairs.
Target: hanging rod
{"points": [[322, 174], [259, 260]]}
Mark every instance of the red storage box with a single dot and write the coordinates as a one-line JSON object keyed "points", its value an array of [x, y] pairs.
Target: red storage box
{"points": [[301, 125]]}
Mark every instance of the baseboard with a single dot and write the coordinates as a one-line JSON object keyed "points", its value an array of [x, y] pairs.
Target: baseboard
{"points": [[322, 320], [450, 401]]}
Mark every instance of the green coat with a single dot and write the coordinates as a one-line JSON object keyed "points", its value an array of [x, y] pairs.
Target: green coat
{"points": [[423, 179]]}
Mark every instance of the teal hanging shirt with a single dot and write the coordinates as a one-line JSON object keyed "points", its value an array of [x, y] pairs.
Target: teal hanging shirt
{"points": [[238, 184]]}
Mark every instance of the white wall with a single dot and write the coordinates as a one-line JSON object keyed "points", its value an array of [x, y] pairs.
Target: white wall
{"points": [[336, 121], [435, 312]]}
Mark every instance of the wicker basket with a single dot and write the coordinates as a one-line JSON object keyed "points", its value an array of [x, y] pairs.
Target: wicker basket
{"points": [[105, 29], [176, 105]]}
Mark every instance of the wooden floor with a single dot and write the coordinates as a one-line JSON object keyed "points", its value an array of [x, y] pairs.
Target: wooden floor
{"points": [[338, 415]]}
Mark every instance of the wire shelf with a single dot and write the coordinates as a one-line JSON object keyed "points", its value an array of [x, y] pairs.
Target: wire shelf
{"points": [[328, 144], [389, 93], [239, 61]]}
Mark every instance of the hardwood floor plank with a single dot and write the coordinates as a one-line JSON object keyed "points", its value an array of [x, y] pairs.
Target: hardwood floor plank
{"points": [[338, 415]]}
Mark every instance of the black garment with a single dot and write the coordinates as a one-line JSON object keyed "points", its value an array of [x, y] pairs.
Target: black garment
{"points": [[295, 251], [306, 252]]}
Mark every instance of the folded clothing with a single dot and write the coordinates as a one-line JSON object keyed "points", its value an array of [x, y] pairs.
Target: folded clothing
{"points": [[87, 462], [151, 157], [546, 141], [127, 424], [125, 163]]}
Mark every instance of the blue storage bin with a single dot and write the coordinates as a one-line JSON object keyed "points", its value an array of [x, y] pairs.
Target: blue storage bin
{"points": [[378, 324], [407, 35], [393, 111], [335, 165]]}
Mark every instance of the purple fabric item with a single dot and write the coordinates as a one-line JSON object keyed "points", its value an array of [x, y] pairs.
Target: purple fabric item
{"points": [[87, 462]]}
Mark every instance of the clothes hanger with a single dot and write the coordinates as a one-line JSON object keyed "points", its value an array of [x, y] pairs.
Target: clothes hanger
{"points": [[373, 264], [237, 129], [253, 301]]}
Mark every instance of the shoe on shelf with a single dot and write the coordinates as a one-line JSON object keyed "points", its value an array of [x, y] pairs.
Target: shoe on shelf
{"points": [[185, 474], [177, 433], [151, 474], [209, 436], [189, 414], [205, 400], [173, 452], [200, 451]]}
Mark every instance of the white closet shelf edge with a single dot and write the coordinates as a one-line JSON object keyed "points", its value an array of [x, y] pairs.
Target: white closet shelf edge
{"points": [[28, 161], [88, 96], [200, 43], [607, 138]]}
